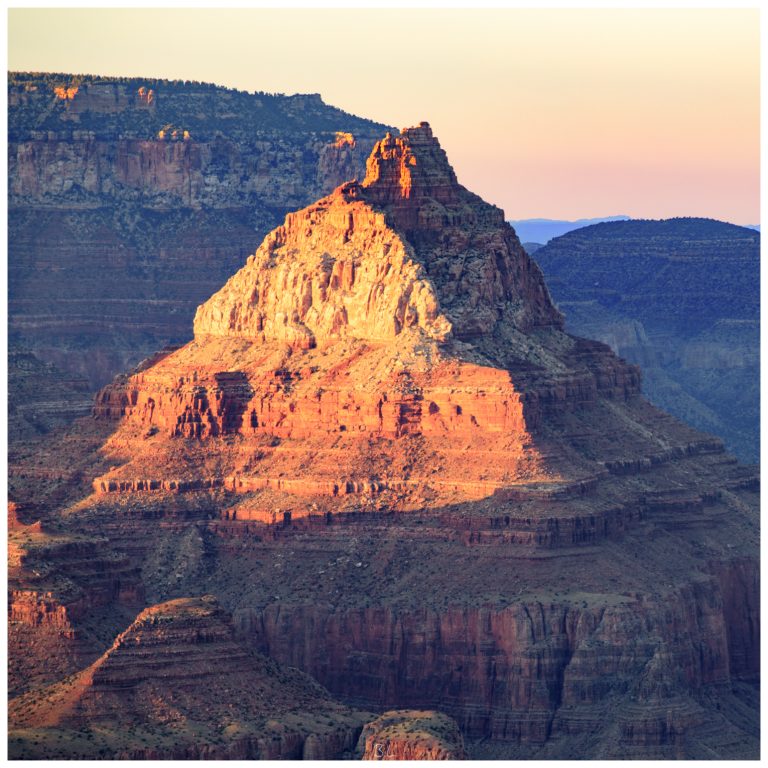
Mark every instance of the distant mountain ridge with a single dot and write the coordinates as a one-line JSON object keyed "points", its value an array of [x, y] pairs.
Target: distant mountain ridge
{"points": [[540, 231], [543, 230], [681, 298]]}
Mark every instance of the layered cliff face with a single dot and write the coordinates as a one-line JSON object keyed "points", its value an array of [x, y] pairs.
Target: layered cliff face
{"points": [[385, 457], [176, 684], [142, 197], [41, 397], [370, 287], [64, 591], [680, 298], [377, 258]]}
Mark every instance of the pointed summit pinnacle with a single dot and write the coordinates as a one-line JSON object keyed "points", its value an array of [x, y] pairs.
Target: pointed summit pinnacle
{"points": [[412, 165], [408, 249]]}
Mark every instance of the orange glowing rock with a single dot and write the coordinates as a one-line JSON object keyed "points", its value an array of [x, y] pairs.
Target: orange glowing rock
{"points": [[65, 93], [146, 96], [349, 325], [344, 139]]}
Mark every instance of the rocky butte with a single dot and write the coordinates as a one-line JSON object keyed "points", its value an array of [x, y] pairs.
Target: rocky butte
{"points": [[384, 456]]}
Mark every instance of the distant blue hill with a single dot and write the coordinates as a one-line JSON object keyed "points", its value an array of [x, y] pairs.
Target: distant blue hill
{"points": [[543, 230], [679, 297]]}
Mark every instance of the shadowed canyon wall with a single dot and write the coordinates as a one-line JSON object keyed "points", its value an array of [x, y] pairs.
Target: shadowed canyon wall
{"points": [[680, 298], [131, 201]]}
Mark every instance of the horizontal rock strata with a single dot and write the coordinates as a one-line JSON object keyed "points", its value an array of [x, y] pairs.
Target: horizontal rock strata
{"points": [[142, 197], [185, 688], [386, 458]]}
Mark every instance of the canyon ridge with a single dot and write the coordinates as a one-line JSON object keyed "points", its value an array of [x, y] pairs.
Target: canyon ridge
{"points": [[681, 298], [390, 467], [142, 196]]}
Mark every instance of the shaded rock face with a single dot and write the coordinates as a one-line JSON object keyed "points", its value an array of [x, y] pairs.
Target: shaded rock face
{"points": [[185, 688], [63, 590], [472, 512], [680, 298], [42, 397], [539, 667], [481, 273], [142, 197]]}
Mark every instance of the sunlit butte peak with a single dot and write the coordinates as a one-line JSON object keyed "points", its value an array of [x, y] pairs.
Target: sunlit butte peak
{"points": [[411, 165]]}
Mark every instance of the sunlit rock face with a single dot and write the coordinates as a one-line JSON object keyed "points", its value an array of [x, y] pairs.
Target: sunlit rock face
{"points": [[351, 276], [385, 457], [376, 258]]}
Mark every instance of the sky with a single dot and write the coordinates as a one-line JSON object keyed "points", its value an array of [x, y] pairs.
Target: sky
{"points": [[556, 113]]}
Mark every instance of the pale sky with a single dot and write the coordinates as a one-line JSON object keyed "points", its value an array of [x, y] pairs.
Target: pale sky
{"points": [[547, 113]]}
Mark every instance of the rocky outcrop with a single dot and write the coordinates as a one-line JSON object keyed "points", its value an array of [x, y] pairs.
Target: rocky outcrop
{"points": [[142, 196], [341, 271], [176, 684], [482, 275], [356, 277], [55, 579], [369, 289], [411, 735], [60, 585], [286, 402], [680, 297]]}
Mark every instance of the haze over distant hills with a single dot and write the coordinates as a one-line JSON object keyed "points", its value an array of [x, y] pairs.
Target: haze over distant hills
{"points": [[540, 231], [543, 230], [679, 297]]}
